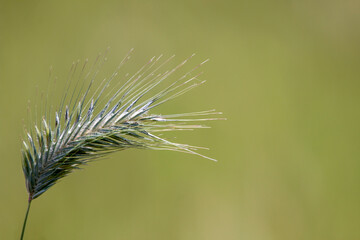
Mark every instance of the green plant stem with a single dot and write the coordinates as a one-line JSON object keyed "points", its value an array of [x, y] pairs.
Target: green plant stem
{"points": [[25, 220]]}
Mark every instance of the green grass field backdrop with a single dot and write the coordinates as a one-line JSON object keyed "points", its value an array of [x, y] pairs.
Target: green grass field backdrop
{"points": [[285, 74]]}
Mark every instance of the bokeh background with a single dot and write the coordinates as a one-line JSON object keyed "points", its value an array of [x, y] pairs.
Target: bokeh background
{"points": [[285, 74]]}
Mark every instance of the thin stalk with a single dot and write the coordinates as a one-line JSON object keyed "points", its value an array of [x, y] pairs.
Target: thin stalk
{"points": [[25, 220]]}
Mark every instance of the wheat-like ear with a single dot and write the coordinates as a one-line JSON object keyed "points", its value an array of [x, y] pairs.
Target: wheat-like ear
{"points": [[92, 123]]}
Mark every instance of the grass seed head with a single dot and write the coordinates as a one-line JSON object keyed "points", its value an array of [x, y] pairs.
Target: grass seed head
{"points": [[92, 121]]}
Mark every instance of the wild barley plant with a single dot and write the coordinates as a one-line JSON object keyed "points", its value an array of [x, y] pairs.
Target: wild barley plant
{"points": [[91, 122]]}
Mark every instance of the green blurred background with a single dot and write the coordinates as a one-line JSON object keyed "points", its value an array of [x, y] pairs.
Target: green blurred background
{"points": [[286, 75]]}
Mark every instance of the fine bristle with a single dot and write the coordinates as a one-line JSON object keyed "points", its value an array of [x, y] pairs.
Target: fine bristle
{"points": [[90, 123]]}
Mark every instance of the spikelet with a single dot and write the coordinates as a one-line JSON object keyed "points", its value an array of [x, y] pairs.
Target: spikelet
{"points": [[90, 124]]}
